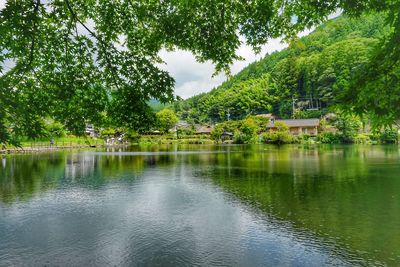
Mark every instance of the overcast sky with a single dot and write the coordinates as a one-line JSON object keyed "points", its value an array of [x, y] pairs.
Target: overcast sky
{"points": [[193, 77]]}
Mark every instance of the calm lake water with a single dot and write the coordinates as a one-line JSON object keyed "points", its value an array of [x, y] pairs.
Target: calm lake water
{"points": [[202, 206]]}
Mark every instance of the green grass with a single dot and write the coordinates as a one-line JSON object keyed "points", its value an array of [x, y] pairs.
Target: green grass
{"points": [[170, 139], [66, 141]]}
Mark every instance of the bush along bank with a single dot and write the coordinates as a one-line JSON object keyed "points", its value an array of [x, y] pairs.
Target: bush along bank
{"points": [[346, 130]]}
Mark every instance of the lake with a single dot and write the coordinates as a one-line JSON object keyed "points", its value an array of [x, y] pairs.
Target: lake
{"points": [[202, 206]]}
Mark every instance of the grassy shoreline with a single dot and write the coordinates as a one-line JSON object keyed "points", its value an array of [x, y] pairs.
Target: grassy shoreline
{"points": [[73, 142]]}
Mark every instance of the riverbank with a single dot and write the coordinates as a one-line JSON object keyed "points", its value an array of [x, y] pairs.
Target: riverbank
{"points": [[72, 142], [22, 150], [78, 143], [59, 143], [40, 149]]}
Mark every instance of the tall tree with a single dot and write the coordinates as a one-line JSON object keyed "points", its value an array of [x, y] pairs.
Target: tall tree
{"points": [[166, 119]]}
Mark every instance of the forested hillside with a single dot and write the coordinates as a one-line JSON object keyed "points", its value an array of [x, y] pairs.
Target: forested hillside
{"points": [[312, 73]]}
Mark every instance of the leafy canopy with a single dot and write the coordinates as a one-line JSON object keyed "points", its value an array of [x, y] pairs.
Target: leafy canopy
{"points": [[66, 58], [166, 119]]}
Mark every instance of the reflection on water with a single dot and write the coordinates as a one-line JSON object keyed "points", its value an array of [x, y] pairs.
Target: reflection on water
{"points": [[202, 205]]}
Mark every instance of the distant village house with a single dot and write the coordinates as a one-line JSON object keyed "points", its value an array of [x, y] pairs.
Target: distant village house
{"points": [[298, 126], [204, 130], [90, 131]]}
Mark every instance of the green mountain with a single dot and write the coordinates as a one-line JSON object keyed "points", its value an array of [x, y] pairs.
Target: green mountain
{"points": [[309, 76]]}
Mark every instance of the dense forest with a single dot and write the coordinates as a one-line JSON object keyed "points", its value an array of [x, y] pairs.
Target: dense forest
{"points": [[309, 78]]}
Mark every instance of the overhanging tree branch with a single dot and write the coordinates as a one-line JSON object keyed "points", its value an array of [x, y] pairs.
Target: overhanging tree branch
{"points": [[103, 44]]}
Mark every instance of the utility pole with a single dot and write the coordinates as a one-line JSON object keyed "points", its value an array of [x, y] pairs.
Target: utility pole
{"points": [[293, 109]]}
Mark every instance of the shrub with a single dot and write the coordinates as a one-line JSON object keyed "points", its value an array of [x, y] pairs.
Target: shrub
{"points": [[260, 122], [345, 138], [266, 138], [348, 127], [238, 138], [247, 132], [389, 136], [278, 138], [241, 138], [108, 132], [55, 129], [282, 138], [281, 127], [230, 126], [248, 127], [166, 119], [362, 139], [328, 138], [185, 131], [216, 133], [305, 137], [132, 136]]}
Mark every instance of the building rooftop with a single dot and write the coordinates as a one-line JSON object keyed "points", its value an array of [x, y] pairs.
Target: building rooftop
{"points": [[266, 115], [296, 123], [204, 129]]}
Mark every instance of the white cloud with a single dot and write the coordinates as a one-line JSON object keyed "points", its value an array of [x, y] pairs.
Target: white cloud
{"points": [[193, 77]]}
